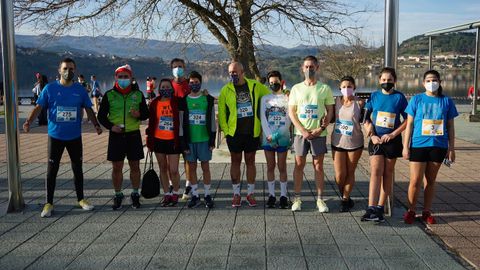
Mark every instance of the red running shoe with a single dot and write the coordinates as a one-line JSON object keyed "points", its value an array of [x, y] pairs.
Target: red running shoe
{"points": [[174, 200], [409, 217], [167, 199], [237, 200], [251, 200], [428, 218]]}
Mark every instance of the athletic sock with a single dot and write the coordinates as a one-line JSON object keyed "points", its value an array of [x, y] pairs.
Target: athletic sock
{"points": [[283, 188], [251, 189], [187, 184], [236, 189], [297, 196], [135, 190], [271, 188], [194, 190], [207, 189], [118, 193]]}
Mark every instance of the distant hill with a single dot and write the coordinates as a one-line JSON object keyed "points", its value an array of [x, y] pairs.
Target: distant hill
{"points": [[460, 43]]}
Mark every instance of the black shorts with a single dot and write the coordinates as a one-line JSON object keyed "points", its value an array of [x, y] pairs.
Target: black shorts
{"points": [[392, 149], [127, 144], [428, 154], [243, 143], [339, 149], [166, 147]]}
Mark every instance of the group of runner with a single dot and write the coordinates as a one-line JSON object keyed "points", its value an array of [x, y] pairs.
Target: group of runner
{"points": [[182, 120]]}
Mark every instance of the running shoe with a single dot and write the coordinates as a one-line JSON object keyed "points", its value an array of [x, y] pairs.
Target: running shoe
{"points": [[174, 200], [117, 202], [271, 201], [47, 210], [351, 203], [344, 206], [297, 205], [370, 215], [208, 201], [167, 199], [237, 200], [135, 197], [194, 202], [380, 214], [409, 217], [283, 202], [428, 218], [322, 206], [186, 195], [85, 205], [251, 200]]}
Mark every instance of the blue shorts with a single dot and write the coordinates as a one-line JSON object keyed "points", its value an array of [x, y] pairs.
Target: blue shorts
{"points": [[199, 151], [278, 149]]}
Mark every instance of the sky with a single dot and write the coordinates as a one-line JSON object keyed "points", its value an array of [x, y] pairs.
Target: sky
{"points": [[415, 17]]}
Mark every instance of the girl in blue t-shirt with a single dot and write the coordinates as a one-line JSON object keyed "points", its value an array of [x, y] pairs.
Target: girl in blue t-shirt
{"points": [[384, 127], [429, 139]]}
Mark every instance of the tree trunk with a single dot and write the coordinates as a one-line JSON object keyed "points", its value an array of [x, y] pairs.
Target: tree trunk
{"points": [[246, 49]]}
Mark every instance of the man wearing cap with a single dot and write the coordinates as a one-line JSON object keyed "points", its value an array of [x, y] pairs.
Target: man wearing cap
{"points": [[122, 109]]}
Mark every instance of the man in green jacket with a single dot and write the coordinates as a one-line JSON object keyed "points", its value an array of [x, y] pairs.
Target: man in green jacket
{"points": [[121, 111], [239, 119]]}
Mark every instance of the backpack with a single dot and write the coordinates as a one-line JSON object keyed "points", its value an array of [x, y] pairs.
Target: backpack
{"points": [[150, 180]]}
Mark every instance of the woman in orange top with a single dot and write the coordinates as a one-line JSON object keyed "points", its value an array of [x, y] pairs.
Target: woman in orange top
{"points": [[163, 139]]}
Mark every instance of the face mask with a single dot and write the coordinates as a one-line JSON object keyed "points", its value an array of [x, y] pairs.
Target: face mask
{"points": [[68, 75], [387, 86], [195, 87], [234, 79], [177, 72], [275, 87], [432, 86], [123, 83], [346, 92], [166, 93], [309, 74]]}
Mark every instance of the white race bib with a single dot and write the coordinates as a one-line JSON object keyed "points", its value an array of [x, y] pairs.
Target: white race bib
{"points": [[277, 119], [385, 120], [244, 110], [344, 127], [308, 112], [197, 117], [166, 123], [432, 127], [66, 114]]}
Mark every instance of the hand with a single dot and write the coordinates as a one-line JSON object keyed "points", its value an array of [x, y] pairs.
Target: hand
{"points": [[306, 134], [98, 129], [117, 129], [26, 126], [376, 140], [387, 137], [317, 132], [135, 113], [406, 153], [451, 155], [269, 138]]}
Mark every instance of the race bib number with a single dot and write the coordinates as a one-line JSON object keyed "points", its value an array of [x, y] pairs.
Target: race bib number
{"points": [[277, 119], [166, 123], [66, 114], [244, 110], [432, 127], [385, 119], [344, 127], [308, 112], [197, 117]]}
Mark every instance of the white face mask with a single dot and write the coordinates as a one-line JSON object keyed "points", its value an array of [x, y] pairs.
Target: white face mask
{"points": [[432, 86]]}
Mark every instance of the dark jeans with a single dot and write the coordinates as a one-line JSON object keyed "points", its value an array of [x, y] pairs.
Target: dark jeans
{"points": [[55, 152]]}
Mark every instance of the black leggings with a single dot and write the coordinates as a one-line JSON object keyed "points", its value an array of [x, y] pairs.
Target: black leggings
{"points": [[55, 152]]}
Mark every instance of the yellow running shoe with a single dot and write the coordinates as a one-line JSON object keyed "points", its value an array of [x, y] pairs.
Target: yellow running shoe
{"points": [[85, 205], [47, 210], [297, 205], [322, 206]]}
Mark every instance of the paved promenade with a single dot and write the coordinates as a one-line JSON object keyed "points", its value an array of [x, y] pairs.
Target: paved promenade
{"points": [[153, 237]]}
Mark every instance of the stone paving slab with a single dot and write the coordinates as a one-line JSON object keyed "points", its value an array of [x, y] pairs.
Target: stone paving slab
{"points": [[154, 237]]}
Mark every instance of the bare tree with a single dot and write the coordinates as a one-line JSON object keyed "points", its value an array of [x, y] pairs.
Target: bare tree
{"points": [[236, 24]]}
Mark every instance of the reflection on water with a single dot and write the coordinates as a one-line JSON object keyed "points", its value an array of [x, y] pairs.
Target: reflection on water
{"points": [[455, 83]]}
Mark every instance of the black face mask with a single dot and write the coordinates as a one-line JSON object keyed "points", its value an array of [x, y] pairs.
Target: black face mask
{"points": [[387, 86], [275, 87], [68, 75]]}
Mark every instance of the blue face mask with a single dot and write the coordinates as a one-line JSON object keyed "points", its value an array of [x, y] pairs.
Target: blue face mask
{"points": [[195, 87], [234, 79], [166, 93], [123, 83], [177, 72]]}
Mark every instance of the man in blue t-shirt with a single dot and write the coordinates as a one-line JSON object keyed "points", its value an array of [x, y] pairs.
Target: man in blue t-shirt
{"points": [[64, 99]]}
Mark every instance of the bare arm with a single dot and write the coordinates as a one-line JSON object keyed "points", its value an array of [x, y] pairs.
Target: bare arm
{"points": [[451, 140], [325, 121], [93, 119], [408, 137], [34, 114]]}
